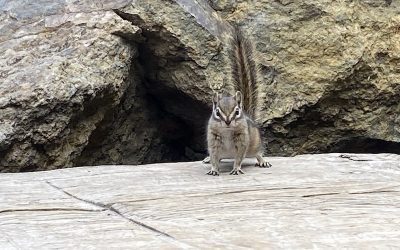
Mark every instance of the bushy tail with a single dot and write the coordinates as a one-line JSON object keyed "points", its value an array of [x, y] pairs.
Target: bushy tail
{"points": [[244, 71]]}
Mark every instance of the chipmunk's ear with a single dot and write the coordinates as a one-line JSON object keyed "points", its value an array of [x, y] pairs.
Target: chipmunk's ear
{"points": [[215, 98], [239, 98]]}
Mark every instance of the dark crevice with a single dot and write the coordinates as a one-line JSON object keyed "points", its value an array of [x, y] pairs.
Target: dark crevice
{"points": [[29, 168], [182, 117], [365, 145], [181, 120], [154, 121], [129, 133]]}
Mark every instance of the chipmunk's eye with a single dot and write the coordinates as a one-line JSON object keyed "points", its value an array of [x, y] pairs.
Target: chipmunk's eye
{"points": [[237, 112], [217, 113]]}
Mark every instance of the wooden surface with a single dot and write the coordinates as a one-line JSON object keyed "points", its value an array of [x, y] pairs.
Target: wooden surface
{"points": [[303, 202]]}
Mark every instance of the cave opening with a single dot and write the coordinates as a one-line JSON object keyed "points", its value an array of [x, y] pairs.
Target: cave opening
{"points": [[184, 117], [154, 121]]}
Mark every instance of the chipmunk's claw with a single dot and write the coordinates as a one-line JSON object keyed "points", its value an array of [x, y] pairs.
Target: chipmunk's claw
{"points": [[264, 164], [212, 172], [236, 172]]}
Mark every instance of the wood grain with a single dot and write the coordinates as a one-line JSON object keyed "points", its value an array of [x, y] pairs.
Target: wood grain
{"points": [[327, 201]]}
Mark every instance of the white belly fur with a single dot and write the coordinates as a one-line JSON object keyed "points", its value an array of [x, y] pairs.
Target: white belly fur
{"points": [[228, 147]]}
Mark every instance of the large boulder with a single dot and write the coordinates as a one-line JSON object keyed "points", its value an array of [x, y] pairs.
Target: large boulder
{"points": [[62, 71], [126, 82]]}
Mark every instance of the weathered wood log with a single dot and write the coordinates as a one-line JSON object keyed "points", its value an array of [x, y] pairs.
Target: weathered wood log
{"points": [[308, 201]]}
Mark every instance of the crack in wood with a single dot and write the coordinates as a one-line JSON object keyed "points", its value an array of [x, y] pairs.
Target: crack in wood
{"points": [[361, 192], [375, 192], [110, 208], [221, 193], [321, 194], [348, 157], [254, 190], [141, 200], [49, 209]]}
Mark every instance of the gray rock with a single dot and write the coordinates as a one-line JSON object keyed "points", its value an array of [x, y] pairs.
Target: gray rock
{"points": [[128, 82], [61, 72], [330, 73]]}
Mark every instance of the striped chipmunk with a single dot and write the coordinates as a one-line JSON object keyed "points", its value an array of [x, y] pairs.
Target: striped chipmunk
{"points": [[232, 132]]}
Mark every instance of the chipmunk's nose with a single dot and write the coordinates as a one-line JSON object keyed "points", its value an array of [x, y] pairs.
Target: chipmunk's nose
{"points": [[228, 122]]}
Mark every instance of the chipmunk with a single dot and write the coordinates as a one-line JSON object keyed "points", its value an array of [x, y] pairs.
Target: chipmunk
{"points": [[231, 131]]}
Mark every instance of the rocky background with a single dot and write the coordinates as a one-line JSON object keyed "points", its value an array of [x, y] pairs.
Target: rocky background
{"points": [[129, 82]]}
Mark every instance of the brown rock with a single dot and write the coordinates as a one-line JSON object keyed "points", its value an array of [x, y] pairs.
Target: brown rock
{"points": [[331, 71], [83, 84], [61, 72]]}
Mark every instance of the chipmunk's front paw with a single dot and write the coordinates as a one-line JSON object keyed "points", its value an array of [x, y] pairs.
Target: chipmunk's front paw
{"points": [[264, 164], [213, 172], [236, 172]]}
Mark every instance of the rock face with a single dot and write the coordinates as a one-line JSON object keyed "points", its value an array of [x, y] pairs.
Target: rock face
{"points": [[332, 70], [123, 82], [61, 72], [303, 202]]}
